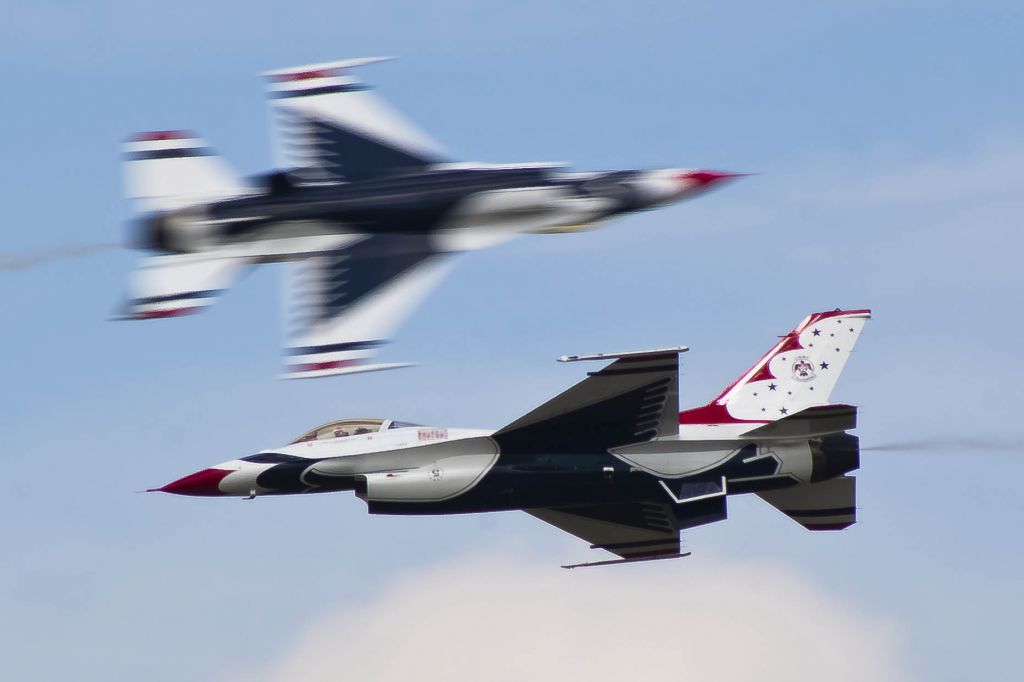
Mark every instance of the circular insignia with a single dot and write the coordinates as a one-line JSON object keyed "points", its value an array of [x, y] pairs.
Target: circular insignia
{"points": [[803, 368], [435, 474]]}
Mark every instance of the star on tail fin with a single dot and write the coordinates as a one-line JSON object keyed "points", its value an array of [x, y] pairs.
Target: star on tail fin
{"points": [[799, 372]]}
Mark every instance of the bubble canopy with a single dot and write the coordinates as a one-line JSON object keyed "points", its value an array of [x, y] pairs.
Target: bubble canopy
{"points": [[342, 428]]}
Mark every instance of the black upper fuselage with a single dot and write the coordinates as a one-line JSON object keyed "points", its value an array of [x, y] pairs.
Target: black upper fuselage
{"points": [[416, 202]]}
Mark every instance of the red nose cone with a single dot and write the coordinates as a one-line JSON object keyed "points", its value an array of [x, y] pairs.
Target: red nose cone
{"points": [[203, 483], [706, 178]]}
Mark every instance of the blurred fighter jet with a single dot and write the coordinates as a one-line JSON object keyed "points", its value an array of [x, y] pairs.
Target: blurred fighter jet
{"points": [[611, 460], [367, 204]]}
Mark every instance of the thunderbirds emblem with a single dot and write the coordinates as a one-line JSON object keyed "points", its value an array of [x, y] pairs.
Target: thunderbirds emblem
{"points": [[803, 369]]}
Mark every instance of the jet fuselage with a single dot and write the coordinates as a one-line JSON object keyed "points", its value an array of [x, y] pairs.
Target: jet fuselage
{"points": [[489, 475], [528, 198]]}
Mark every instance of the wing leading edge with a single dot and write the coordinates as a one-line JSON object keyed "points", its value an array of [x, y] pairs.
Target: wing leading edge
{"points": [[634, 531], [634, 399], [330, 127]]}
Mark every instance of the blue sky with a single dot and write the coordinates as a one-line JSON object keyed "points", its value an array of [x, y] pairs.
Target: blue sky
{"points": [[888, 146]]}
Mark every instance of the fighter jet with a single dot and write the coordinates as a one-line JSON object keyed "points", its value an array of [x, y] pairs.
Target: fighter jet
{"points": [[367, 205], [611, 460]]}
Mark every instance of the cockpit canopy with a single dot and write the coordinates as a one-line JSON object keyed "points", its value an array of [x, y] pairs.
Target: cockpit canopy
{"points": [[343, 428]]}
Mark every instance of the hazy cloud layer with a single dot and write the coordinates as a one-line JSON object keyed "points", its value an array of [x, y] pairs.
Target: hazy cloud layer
{"points": [[505, 618]]}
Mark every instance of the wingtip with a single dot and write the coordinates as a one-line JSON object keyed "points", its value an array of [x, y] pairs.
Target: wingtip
{"points": [[337, 65], [318, 371]]}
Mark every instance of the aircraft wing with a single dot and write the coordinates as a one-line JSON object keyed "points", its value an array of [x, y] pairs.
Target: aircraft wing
{"points": [[631, 530], [343, 305], [329, 126], [634, 399], [170, 286]]}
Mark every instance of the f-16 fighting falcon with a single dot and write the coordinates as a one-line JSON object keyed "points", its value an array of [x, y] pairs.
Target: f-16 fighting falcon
{"points": [[367, 205], [611, 460]]}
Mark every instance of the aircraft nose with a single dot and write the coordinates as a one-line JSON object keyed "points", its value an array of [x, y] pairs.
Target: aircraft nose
{"points": [[204, 483], [702, 179]]}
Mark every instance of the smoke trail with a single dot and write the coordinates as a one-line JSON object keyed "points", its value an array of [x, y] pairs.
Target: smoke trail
{"points": [[951, 444], [12, 262]]}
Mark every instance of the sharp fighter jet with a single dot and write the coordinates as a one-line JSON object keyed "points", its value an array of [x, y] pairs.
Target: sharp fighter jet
{"points": [[367, 205], [611, 460]]}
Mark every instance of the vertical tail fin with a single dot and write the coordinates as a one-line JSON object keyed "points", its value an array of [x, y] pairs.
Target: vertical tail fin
{"points": [[800, 371], [172, 169]]}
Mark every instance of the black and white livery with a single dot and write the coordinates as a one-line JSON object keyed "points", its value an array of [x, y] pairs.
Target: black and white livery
{"points": [[611, 460], [368, 206]]}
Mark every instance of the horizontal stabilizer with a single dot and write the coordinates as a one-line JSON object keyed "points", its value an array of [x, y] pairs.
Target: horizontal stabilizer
{"points": [[170, 286], [172, 169], [828, 505], [819, 420]]}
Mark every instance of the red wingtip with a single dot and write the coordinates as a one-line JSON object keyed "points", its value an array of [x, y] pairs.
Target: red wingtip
{"points": [[327, 364], [157, 135], [312, 74], [170, 312]]}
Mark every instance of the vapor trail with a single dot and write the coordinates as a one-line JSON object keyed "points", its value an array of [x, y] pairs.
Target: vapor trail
{"points": [[24, 261], [950, 444]]}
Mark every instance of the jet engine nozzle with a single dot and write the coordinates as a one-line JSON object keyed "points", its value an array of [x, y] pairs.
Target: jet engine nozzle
{"points": [[173, 232], [834, 455]]}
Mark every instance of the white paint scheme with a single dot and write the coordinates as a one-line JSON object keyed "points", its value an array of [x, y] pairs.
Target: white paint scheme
{"points": [[381, 441], [833, 345], [212, 270], [168, 276], [242, 480], [399, 466], [526, 209], [358, 110], [465, 463], [327, 66], [369, 454], [755, 403], [174, 183], [665, 184], [673, 458], [700, 432], [406, 468], [303, 100]]}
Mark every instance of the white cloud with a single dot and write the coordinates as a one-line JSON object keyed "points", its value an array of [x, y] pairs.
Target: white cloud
{"points": [[501, 617]]}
